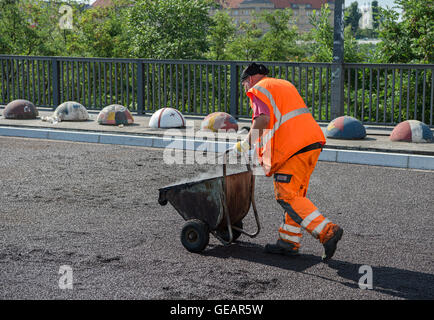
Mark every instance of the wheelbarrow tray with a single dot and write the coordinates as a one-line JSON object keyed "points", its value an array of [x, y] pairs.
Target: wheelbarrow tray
{"points": [[206, 200]]}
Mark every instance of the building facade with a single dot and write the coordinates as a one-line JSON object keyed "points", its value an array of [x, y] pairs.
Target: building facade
{"points": [[366, 21], [243, 10]]}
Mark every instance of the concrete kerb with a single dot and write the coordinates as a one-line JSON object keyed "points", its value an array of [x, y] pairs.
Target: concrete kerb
{"points": [[398, 160]]}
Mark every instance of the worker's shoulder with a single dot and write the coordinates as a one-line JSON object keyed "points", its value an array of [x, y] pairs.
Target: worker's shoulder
{"points": [[276, 82]]}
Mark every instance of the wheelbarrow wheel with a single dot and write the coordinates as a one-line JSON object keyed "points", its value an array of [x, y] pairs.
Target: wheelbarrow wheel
{"points": [[195, 235], [235, 233]]}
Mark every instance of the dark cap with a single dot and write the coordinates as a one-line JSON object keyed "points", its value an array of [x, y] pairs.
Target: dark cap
{"points": [[253, 69]]}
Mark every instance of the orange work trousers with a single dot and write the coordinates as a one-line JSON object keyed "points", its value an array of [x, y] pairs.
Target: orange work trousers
{"points": [[290, 186]]}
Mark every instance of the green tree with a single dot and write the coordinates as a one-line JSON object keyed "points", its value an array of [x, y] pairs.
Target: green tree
{"points": [[102, 31], [320, 40], [411, 39], [278, 43], [66, 42], [353, 52], [12, 27], [221, 33], [352, 16], [169, 29], [375, 15], [247, 43], [27, 28], [321, 36], [31, 27]]}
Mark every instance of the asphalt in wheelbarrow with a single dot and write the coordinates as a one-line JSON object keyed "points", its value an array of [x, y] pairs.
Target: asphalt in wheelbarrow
{"points": [[206, 200]]}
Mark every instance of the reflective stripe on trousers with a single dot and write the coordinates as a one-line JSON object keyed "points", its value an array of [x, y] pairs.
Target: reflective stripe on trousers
{"points": [[310, 218], [292, 239], [314, 223], [290, 193], [290, 232]]}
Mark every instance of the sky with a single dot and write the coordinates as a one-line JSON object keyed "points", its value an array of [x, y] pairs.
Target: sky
{"points": [[381, 3]]}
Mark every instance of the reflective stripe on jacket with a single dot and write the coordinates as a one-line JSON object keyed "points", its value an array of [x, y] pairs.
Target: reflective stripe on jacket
{"points": [[291, 125]]}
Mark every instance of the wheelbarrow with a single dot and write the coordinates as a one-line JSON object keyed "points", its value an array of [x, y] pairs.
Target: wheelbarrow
{"points": [[215, 205]]}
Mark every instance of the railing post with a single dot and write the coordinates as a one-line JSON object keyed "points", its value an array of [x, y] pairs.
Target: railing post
{"points": [[337, 80], [55, 77], [234, 91], [140, 87]]}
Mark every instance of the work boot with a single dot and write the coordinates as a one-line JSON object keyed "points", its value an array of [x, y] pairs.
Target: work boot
{"points": [[281, 247], [330, 245]]}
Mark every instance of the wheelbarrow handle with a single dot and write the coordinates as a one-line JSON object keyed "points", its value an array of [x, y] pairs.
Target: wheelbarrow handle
{"points": [[226, 211], [225, 155], [225, 208]]}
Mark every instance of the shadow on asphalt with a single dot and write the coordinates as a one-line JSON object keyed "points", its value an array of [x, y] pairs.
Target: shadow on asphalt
{"points": [[391, 281], [395, 282], [254, 253]]}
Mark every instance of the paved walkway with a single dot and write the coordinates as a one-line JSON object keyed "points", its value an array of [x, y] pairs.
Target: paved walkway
{"points": [[375, 149]]}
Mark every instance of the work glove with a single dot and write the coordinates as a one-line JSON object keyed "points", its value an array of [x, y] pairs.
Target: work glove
{"points": [[241, 147]]}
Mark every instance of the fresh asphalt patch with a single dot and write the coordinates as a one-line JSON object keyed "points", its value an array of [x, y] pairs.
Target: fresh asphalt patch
{"points": [[82, 221]]}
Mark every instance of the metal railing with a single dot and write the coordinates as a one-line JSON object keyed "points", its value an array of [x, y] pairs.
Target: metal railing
{"points": [[373, 93], [389, 93]]}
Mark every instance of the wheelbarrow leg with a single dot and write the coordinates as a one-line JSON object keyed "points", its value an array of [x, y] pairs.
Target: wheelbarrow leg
{"points": [[225, 208], [258, 225], [226, 211], [228, 222]]}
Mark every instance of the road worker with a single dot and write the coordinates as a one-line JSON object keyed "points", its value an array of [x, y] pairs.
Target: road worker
{"points": [[289, 144]]}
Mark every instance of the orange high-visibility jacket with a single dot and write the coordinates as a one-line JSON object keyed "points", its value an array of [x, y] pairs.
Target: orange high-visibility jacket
{"points": [[291, 127]]}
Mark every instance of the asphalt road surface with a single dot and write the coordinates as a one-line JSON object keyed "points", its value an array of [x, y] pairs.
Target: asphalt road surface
{"points": [[87, 215]]}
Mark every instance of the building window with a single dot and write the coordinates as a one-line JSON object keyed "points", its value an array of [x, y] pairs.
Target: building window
{"points": [[294, 6], [308, 6]]}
